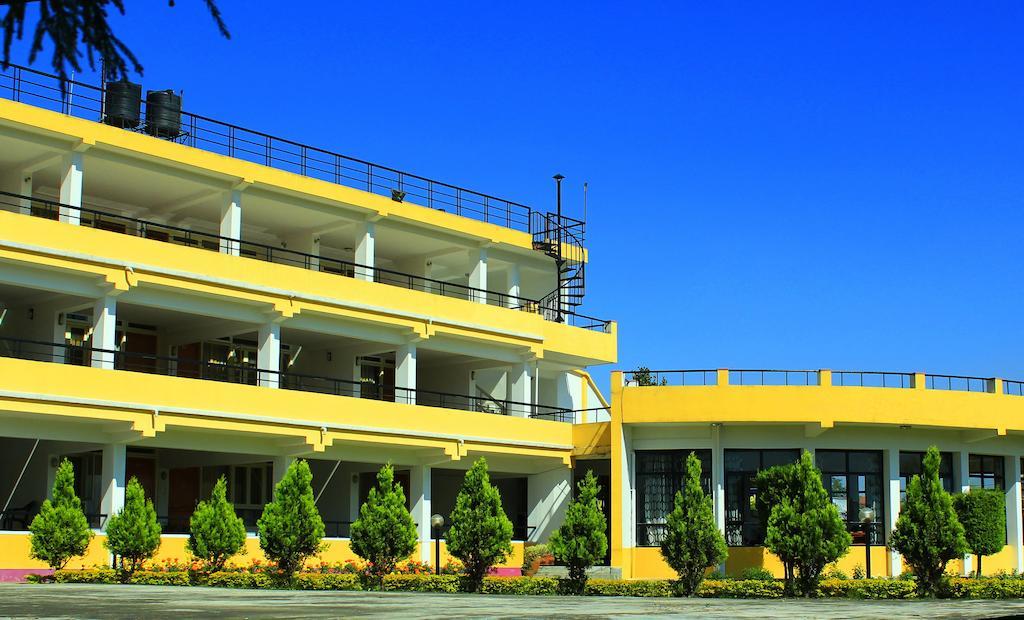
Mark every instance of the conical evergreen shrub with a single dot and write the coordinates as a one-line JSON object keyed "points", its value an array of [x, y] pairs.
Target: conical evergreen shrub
{"points": [[291, 528], [581, 541], [133, 535], [693, 542], [480, 535], [60, 531], [216, 533], [385, 532]]}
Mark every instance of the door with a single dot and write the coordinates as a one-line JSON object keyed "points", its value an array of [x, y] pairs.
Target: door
{"points": [[182, 497], [144, 469]]}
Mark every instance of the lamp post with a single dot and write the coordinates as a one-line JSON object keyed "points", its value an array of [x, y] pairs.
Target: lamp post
{"points": [[867, 519], [436, 523]]}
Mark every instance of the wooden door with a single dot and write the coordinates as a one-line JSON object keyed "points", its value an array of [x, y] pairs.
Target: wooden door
{"points": [[145, 470], [182, 497]]}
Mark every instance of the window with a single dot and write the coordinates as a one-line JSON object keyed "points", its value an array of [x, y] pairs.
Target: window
{"points": [[659, 474], [853, 479], [911, 464], [742, 525], [986, 472]]}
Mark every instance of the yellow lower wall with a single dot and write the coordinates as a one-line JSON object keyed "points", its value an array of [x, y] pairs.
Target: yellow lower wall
{"points": [[1004, 561], [648, 563], [14, 552]]}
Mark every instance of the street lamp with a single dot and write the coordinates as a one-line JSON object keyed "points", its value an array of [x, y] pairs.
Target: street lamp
{"points": [[867, 519], [436, 523]]}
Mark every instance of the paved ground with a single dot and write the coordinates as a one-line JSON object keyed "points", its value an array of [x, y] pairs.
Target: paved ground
{"points": [[88, 601]]}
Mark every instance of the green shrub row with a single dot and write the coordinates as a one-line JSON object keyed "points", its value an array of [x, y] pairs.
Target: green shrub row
{"points": [[874, 589]]}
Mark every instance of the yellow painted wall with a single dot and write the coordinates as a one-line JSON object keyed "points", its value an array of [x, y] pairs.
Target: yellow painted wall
{"points": [[14, 552], [1003, 562], [827, 405], [593, 439], [648, 563], [299, 291]]}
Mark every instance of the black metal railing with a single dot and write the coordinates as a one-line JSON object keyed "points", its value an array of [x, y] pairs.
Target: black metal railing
{"points": [[112, 222], [1013, 388], [868, 378], [644, 378], [85, 101], [957, 383], [773, 377], [248, 374]]}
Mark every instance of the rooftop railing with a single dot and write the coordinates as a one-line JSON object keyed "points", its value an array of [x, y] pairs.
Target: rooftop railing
{"points": [[112, 222], [835, 378], [84, 100], [207, 370]]}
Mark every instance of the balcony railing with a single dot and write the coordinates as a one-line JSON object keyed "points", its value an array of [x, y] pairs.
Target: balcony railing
{"points": [[84, 100], [207, 370], [671, 377], [839, 378], [112, 222], [861, 378]]}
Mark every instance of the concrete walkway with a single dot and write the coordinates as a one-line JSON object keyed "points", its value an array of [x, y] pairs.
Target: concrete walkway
{"points": [[92, 601]]}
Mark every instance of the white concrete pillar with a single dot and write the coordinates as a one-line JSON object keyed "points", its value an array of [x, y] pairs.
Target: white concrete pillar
{"points": [[478, 275], [547, 497], [891, 471], [627, 520], [419, 488], [71, 181], [514, 286], [520, 388], [366, 253], [112, 480], [568, 392], [268, 356], [279, 466], [718, 481], [962, 473], [1014, 522], [104, 326], [231, 223], [405, 374]]}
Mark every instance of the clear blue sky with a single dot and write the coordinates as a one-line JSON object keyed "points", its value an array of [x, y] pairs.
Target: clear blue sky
{"points": [[772, 185]]}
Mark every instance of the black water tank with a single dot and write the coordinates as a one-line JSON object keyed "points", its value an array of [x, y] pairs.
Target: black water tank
{"points": [[122, 104], [163, 113]]}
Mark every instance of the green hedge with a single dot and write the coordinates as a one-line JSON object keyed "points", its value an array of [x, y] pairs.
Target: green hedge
{"points": [[107, 575], [319, 581], [231, 579], [618, 587], [867, 588], [520, 585], [956, 587], [422, 583], [735, 588], [984, 588]]}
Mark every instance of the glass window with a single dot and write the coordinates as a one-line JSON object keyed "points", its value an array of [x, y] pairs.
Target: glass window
{"points": [[986, 472], [854, 480], [911, 464], [742, 525], [659, 474]]}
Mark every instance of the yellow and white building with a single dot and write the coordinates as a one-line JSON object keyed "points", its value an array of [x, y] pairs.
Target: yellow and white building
{"points": [[182, 299], [181, 304], [868, 432]]}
